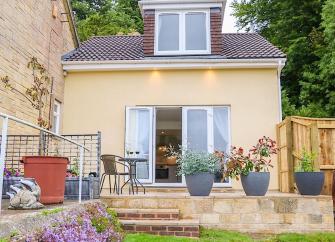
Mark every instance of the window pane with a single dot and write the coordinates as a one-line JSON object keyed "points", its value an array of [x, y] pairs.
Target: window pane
{"points": [[138, 139], [221, 134], [197, 130], [168, 32], [195, 28], [221, 126]]}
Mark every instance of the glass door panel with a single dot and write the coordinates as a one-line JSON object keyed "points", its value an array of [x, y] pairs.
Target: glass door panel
{"points": [[139, 138]]}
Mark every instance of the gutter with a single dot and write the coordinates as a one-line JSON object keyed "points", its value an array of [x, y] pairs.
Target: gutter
{"points": [[281, 64], [70, 17], [171, 64]]}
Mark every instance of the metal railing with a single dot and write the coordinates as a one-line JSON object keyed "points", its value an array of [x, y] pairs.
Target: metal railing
{"points": [[20, 145], [4, 133]]}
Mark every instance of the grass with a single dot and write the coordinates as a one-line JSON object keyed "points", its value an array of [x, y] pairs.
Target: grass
{"points": [[51, 211], [210, 235]]}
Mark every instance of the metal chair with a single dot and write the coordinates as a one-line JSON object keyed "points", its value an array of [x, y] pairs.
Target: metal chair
{"points": [[110, 165]]}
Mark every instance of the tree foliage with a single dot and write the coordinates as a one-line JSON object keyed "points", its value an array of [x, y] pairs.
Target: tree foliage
{"points": [[304, 30], [106, 17]]}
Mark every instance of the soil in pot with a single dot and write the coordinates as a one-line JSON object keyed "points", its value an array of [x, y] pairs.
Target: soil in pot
{"points": [[256, 183], [309, 183], [49, 173], [200, 184]]}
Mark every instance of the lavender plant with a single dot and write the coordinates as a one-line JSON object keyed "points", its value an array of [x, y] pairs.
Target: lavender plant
{"points": [[94, 223]]}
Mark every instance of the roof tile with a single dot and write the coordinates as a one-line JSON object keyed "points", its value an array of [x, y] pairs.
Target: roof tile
{"points": [[129, 47]]}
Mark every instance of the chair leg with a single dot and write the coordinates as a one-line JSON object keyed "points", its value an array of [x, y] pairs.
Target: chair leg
{"points": [[102, 181], [115, 185], [118, 182], [110, 184]]}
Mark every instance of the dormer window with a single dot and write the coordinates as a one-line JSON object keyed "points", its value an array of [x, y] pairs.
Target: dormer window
{"points": [[182, 32]]}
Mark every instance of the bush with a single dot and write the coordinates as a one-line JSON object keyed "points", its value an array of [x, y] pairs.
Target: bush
{"points": [[92, 223], [193, 162]]}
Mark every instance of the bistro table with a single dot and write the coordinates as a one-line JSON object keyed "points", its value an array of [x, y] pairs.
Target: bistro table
{"points": [[132, 180]]}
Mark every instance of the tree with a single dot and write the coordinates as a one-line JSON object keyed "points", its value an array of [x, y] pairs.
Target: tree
{"points": [[38, 93], [107, 17], [297, 27], [84, 8]]}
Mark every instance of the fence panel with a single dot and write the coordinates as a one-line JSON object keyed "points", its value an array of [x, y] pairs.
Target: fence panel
{"points": [[315, 135]]}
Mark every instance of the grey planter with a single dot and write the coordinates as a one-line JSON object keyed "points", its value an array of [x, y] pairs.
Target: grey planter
{"points": [[90, 188], [256, 183], [200, 184], [309, 183], [7, 182]]}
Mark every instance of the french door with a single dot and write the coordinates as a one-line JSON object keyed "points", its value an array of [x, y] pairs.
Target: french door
{"points": [[203, 129], [207, 129], [139, 140]]}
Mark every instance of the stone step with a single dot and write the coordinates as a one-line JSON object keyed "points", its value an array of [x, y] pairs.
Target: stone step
{"points": [[180, 228], [147, 214]]}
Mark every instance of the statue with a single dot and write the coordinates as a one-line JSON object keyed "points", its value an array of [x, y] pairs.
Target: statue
{"points": [[25, 195]]}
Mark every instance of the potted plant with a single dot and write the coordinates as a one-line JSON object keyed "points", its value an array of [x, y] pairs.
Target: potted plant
{"points": [[253, 168], [198, 168], [48, 171], [11, 176], [309, 181], [90, 185]]}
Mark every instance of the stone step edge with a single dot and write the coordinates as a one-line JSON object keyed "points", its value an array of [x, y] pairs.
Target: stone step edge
{"points": [[146, 210], [181, 222], [180, 228], [147, 214]]}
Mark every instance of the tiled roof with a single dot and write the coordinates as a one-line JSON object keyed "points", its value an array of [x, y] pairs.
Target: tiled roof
{"points": [[104, 48], [248, 45]]}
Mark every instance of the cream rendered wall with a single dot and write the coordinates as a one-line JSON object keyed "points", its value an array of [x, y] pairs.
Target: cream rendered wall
{"points": [[96, 101]]}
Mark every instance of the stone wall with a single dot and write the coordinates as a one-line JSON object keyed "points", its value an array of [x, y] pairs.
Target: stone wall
{"points": [[32, 28], [274, 213]]}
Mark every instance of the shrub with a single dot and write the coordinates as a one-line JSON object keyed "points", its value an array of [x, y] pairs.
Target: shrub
{"points": [[93, 223], [306, 163], [258, 159], [192, 162]]}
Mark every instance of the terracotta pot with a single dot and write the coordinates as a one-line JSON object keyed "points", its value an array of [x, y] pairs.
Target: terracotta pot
{"points": [[49, 173]]}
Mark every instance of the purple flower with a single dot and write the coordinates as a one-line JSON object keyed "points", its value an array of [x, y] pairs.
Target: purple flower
{"points": [[79, 225]]}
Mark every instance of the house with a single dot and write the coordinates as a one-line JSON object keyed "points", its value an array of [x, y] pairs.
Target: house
{"points": [[41, 29], [182, 82]]}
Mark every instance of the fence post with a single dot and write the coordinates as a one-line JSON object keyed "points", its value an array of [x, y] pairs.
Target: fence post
{"points": [[81, 161], [98, 153], [289, 144], [3, 153], [315, 144]]}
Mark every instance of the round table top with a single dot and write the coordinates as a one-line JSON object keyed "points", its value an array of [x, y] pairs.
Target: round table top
{"points": [[133, 159]]}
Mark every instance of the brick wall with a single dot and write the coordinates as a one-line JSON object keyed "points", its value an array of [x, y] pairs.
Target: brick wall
{"points": [[29, 29], [216, 31], [149, 32]]}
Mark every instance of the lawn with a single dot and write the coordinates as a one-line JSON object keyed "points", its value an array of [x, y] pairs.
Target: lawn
{"points": [[228, 236]]}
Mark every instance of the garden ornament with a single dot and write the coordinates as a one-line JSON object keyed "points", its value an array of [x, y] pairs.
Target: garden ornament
{"points": [[25, 195]]}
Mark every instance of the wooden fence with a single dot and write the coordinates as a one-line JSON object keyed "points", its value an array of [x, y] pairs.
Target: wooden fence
{"points": [[315, 135]]}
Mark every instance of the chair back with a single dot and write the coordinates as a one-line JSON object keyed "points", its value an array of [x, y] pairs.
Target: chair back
{"points": [[109, 162]]}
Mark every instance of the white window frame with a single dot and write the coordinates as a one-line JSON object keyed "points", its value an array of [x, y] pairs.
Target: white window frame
{"points": [[182, 33], [57, 115]]}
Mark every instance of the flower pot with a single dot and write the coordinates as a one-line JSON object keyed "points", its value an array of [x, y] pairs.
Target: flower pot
{"points": [[200, 184], [90, 188], [309, 183], [7, 182], [256, 183], [49, 173]]}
